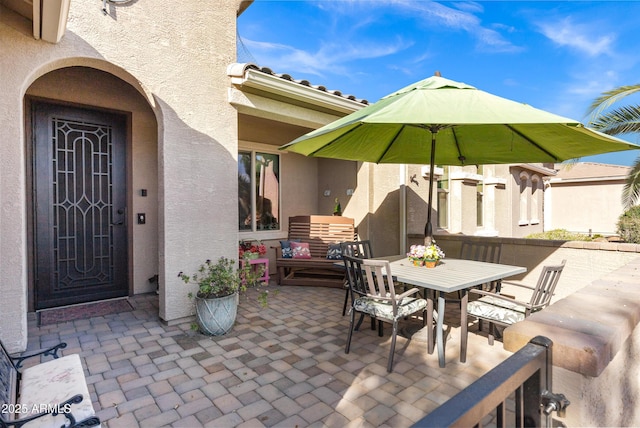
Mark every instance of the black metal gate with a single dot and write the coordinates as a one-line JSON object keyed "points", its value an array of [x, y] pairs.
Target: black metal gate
{"points": [[525, 377]]}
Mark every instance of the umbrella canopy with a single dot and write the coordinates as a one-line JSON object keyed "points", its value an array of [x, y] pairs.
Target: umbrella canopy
{"points": [[440, 121]]}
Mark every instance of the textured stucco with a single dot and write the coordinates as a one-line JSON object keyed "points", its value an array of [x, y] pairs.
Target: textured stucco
{"points": [[182, 75]]}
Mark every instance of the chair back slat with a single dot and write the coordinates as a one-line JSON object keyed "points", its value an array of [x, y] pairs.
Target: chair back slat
{"points": [[359, 249], [481, 251], [355, 277], [546, 286], [379, 283]]}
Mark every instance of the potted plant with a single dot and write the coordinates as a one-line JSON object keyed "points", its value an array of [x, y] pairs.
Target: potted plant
{"points": [[248, 250], [337, 209], [425, 255], [217, 297]]}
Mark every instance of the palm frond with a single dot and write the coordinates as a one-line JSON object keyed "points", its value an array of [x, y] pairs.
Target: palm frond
{"points": [[608, 98], [623, 120], [631, 190]]}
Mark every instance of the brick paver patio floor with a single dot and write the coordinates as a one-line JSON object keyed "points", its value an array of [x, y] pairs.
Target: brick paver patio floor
{"points": [[283, 366]]}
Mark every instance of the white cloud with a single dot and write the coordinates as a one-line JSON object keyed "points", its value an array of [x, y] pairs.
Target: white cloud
{"points": [[581, 37], [329, 57]]}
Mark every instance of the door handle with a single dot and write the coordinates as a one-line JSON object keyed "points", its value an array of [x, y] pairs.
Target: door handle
{"points": [[121, 212]]}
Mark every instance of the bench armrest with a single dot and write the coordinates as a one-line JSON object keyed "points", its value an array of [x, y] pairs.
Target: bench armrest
{"points": [[63, 408], [53, 351], [278, 250]]}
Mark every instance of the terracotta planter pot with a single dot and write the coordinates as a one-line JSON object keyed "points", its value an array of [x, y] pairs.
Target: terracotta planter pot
{"points": [[431, 263]]}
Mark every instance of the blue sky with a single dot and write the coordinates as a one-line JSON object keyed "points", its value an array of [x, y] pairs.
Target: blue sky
{"points": [[555, 55]]}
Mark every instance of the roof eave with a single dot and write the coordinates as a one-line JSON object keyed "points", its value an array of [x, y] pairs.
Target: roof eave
{"points": [[282, 88]]}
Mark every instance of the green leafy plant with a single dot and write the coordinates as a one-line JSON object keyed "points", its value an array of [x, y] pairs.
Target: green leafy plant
{"points": [[629, 225], [337, 209], [560, 235], [223, 278]]}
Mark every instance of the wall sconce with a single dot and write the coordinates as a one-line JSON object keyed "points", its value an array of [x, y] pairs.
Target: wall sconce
{"points": [[327, 193], [349, 192]]}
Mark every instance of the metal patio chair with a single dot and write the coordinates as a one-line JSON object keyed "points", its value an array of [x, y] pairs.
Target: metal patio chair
{"points": [[359, 249], [373, 294], [503, 310]]}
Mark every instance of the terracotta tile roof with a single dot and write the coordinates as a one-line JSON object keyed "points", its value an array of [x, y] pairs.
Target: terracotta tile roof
{"points": [[242, 67]]}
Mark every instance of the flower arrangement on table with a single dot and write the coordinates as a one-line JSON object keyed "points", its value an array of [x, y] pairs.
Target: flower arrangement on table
{"points": [[251, 250], [421, 255]]}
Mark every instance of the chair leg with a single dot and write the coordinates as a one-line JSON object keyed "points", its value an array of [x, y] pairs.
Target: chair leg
{"points": [[380, 329], [346, 300], [359, 321], [393, 346], [464, 330], [352, 319], [491, 330]]}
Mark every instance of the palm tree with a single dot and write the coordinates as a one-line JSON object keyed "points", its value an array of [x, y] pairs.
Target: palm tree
{"points": [[620, 120]]}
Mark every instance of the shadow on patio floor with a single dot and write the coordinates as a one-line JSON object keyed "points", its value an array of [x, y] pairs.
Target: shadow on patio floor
{"points": [[280, 366]]}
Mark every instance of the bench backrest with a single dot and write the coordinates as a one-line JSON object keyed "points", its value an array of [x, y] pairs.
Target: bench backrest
{"points": [[320, 231], [8, 379]]}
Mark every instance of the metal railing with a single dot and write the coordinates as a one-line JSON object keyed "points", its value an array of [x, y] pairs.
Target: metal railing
{"points": [[524, 377]]}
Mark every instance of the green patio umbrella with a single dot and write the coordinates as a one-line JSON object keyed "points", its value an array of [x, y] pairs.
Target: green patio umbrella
{"points": [[443, 122]]}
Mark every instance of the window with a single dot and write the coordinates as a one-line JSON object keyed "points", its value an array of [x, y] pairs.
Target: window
{"points": [[258, 191], [535, 199], [443, 199], [524, 198]]}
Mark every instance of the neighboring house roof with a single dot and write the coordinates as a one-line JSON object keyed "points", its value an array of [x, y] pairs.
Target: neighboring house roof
{"points": [[590, 171]]}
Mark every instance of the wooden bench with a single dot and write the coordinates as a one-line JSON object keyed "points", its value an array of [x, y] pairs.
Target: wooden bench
{"points": [[318, 231], [49, 394]]}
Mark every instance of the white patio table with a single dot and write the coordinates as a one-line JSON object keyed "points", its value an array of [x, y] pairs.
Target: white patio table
{"points": [[450, 275]]}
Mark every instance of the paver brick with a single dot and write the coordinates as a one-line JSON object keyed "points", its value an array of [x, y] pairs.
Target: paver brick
{"points": [[274, 367]]}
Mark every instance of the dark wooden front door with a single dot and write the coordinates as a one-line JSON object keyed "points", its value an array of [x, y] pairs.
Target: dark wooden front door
{"points": [[80, 228]]}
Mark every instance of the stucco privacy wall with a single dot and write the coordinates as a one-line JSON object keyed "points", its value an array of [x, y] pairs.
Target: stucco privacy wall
{"points": [[586, 261], [183, 75]]}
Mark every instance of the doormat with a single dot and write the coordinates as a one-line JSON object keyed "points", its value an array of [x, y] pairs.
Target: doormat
{"points": [[87, 310]]}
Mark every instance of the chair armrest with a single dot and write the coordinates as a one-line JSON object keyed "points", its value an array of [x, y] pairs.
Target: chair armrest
{"points": [[407, 293], [515, 284], [53, 351], [63, 408], [498, 296]]}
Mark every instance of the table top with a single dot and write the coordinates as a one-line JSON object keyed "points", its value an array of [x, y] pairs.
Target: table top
{"points": [[450, 274]]}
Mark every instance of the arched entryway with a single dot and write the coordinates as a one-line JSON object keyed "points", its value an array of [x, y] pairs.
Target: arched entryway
{"points": [[92, 174]]}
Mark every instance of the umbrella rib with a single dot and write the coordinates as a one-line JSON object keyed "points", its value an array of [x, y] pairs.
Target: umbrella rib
{"points": [[542, 149], [461, 158], [391, 141]]}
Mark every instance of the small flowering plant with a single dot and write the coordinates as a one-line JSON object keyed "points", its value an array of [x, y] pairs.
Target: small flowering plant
{"points": [[249, 249], [430, 252]]}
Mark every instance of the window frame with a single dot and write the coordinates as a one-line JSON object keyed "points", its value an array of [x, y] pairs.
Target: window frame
{"points": [[253, 148]]}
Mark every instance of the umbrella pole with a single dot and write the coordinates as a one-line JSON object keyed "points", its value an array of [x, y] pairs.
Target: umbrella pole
{"points": [[428, 230]]}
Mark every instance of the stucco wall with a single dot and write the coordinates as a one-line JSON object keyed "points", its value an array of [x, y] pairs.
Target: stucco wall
{"points": [[182, 74], [599, 206]]}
